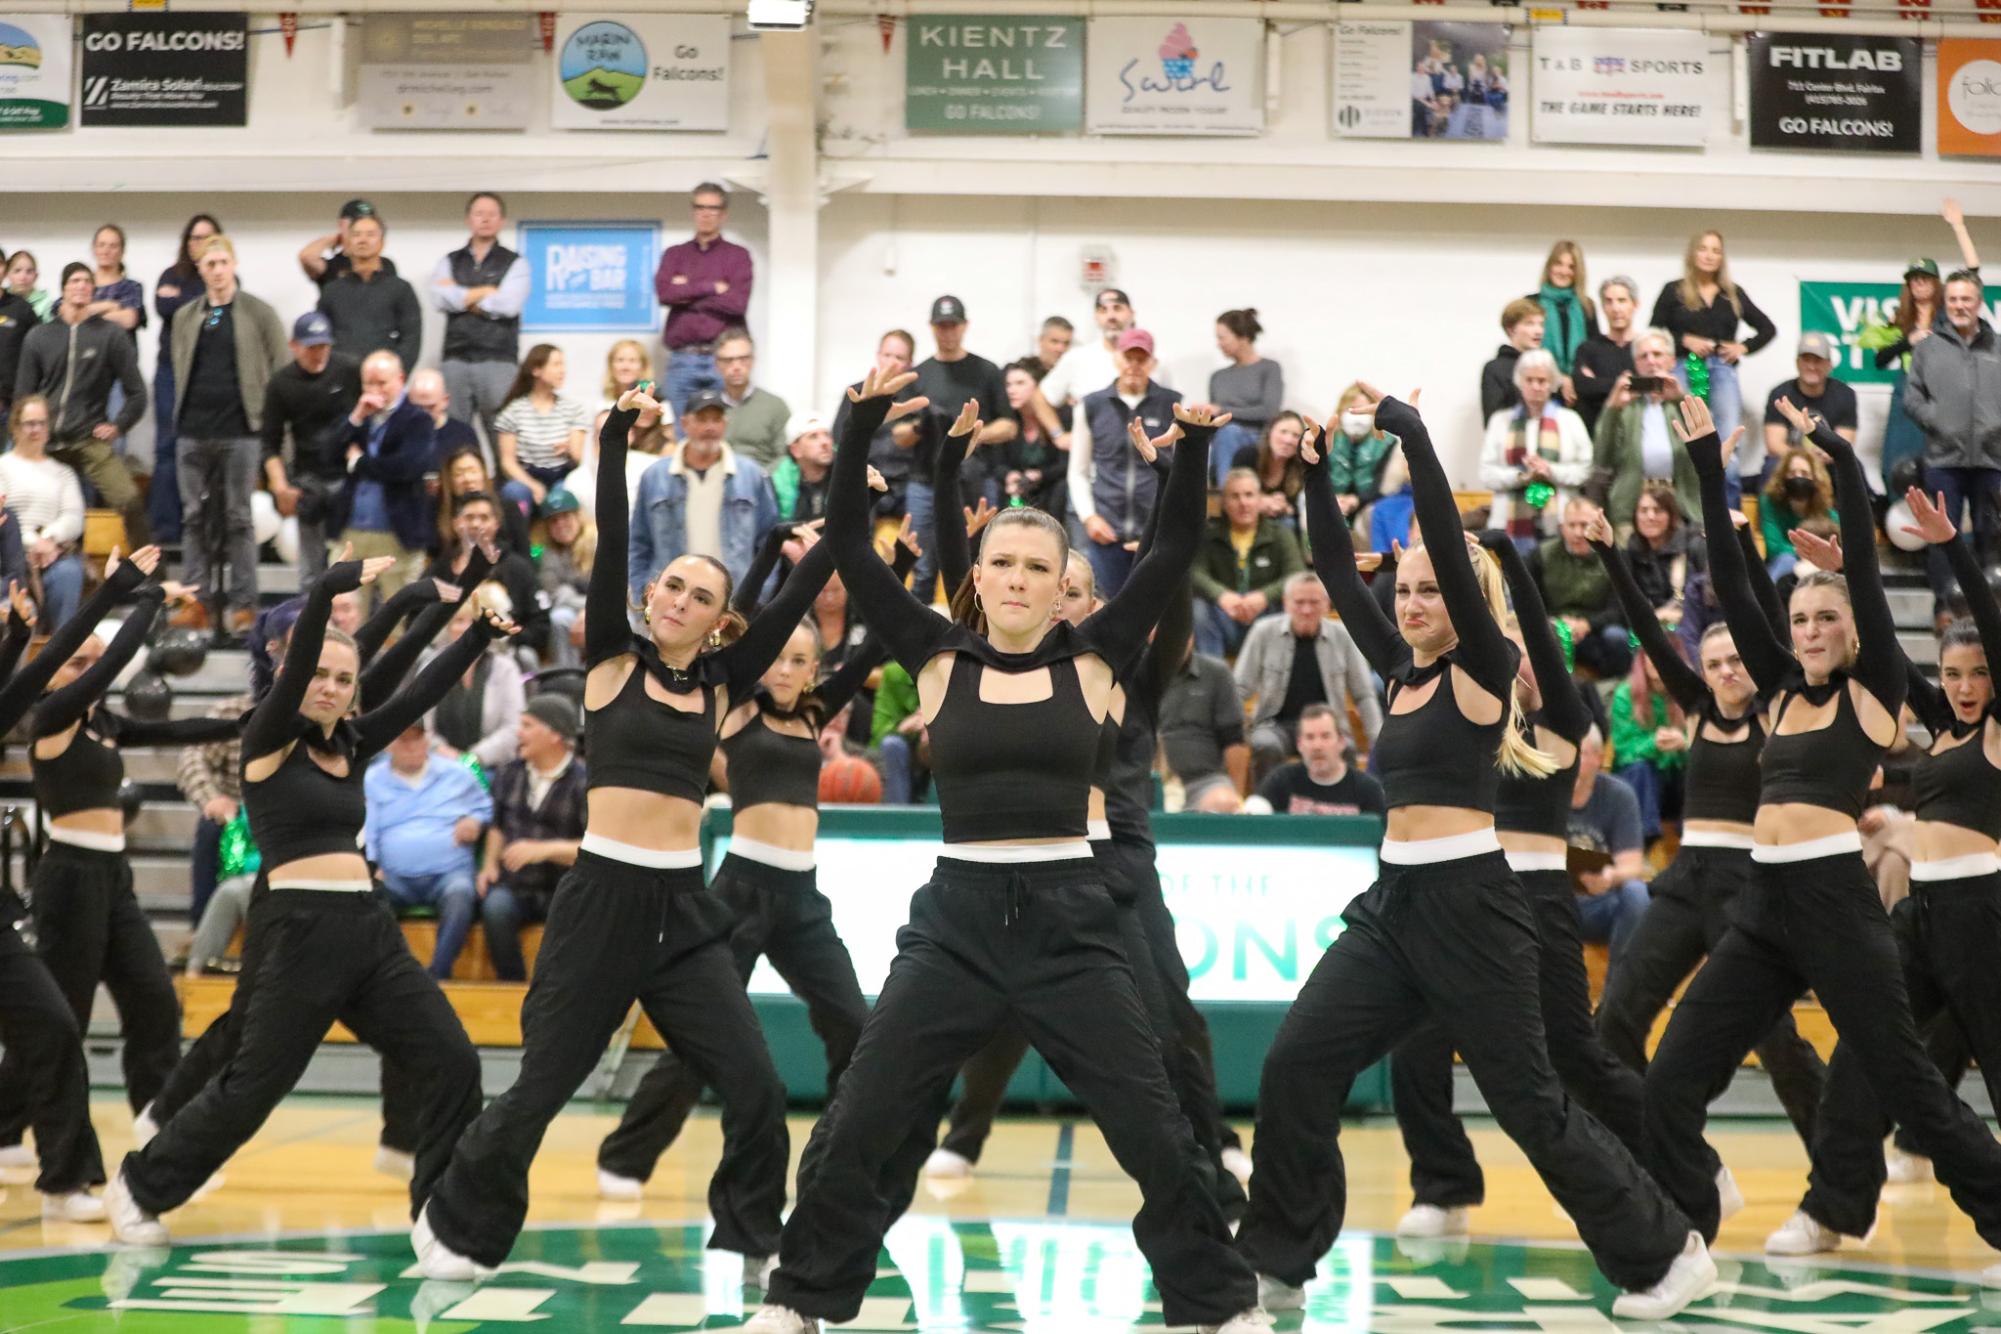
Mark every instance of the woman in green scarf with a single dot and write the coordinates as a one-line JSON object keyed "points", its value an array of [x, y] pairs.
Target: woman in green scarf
{"points": [[1569, 314]]}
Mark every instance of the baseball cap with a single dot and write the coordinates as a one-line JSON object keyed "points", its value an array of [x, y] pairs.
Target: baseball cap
{"points": [[560, 500], [312, 329], [556, 712], [802, 422], [357, 208], [948, 310], [1816, 344], [1117, 294], [1927, 267], [1133, 338], [704, 399]]}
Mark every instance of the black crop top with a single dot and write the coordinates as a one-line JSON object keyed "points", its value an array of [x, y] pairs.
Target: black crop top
{"points": [[1958, 786], [1009, 771], [23, 690], [1523, 803], [1433, 755], [640, 742], [770, 767], [1830, 766], [302, 810]]}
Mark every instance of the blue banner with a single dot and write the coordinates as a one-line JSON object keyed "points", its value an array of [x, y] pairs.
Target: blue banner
{"points": [[591, 277]]}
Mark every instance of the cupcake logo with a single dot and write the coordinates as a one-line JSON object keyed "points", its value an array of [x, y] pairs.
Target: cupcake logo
{"points": [[1178, 53]]}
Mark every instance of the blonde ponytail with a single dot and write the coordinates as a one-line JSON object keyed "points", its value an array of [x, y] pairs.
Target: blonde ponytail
{"points": [[1518, 755]]}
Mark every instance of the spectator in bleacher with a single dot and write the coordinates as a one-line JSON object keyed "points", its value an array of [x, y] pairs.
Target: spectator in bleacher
{"points": [[625, 365], [705, 284], [179, 283], [1088, 366], [1569, 315], [652, 434], [1704, 311], [389, 444], [799, 482], [481, 287], [538, 823], [1251, 388], [22, 275], [1275, 461], [1202, 735], [563, 572], [425, 816], [372, 309], [1051, 342], [1605, 819], [1953, 393], [1031, 466], [538, 433], [1537, 454], [1112, 489], [305, 407], [1240, 568], [1359, 458], [896, 733], [227, 344], [1321, 781], [893, 448], [17, 317], [1292, 663], [210, 777], [479, 716], [757, 416], [703, 498], [1649, 745], [1522, 323], [477, 524], [325, 258], [462, 472], [1798, 493], [45, 501], [1635, 439], [1663, 550], [1815, 389], [1578, 594], [116, 294], [75, 360], [1607, 353], [950, 376]]}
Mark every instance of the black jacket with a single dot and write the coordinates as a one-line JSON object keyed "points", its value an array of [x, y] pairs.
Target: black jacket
{"points": [[379, 313], [74, 367], [17, 318], [1497, 382], [408, 452]]}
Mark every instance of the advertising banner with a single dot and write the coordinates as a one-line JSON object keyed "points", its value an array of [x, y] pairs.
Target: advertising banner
{"points": [[1421, 80], [446, 71], [1164, 76], [1969, 97], [1623, 86], [590, 277], [34, 71], [1852, 94], [166, 69], [642, 72], [975, 74]]}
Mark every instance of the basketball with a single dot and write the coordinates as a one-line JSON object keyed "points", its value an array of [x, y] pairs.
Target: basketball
{"points": [[849, 780]]}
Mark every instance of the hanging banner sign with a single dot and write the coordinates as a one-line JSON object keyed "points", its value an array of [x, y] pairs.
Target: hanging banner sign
{"points": [[980, 74], [1161, 76], [1623, 86], [34, 71], [590, 277], [1852, 94], [1969, 97], [166, 69], [1421, 80], [446, 71], [641, 72]]}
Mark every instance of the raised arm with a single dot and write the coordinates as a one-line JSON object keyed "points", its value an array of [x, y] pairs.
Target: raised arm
{"points": [[129, 731], [1118, 630], [1875, 624], [1334, 562], [379, 726], [1684, 684], [910, 630], [1765, 655], [64, 708], [761, 565], [15, 642], [607, 631], [25, 687], [375, 631], [271, 724], [743, 662], [952, 546], [1563, 709]]}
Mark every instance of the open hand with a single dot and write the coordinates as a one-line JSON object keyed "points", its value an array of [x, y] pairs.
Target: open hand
{"points": [[1200, 414], [1149, 449], [1932, 524], [978, 516], [1823, 553], [969, 422], [1797, 417], [375, 567], [1600, 531], [906, 534], [639, 398], [877, 385], [1310, 435], [1696, 422]]}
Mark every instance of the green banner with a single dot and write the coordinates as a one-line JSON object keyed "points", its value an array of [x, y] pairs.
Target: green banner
{"points": [[1843, 311], [973, 74]]}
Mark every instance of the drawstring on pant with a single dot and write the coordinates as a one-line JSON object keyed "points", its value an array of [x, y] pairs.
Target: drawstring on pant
{"points": [[1014, 899]]}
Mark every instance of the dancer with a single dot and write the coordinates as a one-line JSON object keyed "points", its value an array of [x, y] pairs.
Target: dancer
{"points": [[1692, 897], [1948, 932], [326, 948], [1015, 924], [652, 708], [1446, 932], [1809, 916], [771, 745]]}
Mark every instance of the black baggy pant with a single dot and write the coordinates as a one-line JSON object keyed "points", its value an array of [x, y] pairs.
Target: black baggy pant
{"points": [[783, 916], [1797, 925], [1692, 899], [323, 956], [1443, 1169], [89, 929], [619, 933], [1948, 936], [1453, 943], [38, 1029], [1039, 945]]}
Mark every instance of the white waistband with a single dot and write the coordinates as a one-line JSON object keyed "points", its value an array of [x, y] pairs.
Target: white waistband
{"points": [[1075, 849], [84, 838], [1519, 862], [325, 886], [657, 859], [1451, 848], [770, 854], [1831, 846], [1098, 831], [1957, 868], [1716, 838]]}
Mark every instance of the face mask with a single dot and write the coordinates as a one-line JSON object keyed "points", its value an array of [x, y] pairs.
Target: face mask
{"points": [[1355, 425], [1800, 488]]}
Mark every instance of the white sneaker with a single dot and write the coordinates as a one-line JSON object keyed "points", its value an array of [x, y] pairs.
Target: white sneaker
{"points": [[612, 1186], [395, 1163], [1275, 1294], [1429, 1220], [780, 1320], [1243, 1322], [946, 1163], [1729, 1199], [1689, 1278], [1239, 1164], [76, 1206], [18, 1157], [437, 1260], [1802, 1234], [1906, 1169], [130, 1223], [144, 1127], [757, 1271]]}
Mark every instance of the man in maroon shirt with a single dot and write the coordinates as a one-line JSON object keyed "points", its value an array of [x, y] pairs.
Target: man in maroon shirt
{"points": [[705, 285]]}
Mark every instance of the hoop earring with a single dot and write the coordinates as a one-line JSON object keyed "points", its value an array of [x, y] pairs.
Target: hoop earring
{"points": [[715, 639]]}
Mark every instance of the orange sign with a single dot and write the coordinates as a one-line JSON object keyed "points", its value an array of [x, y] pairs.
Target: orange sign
{"points": [[1969, 97]]}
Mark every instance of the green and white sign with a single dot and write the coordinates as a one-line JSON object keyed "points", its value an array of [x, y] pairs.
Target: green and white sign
{"points": [[1857, 317], [975, 74], [642, 72], [34, 71]]}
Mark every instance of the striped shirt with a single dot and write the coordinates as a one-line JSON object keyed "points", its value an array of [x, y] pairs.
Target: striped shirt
{"points": [[540, 437]]}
